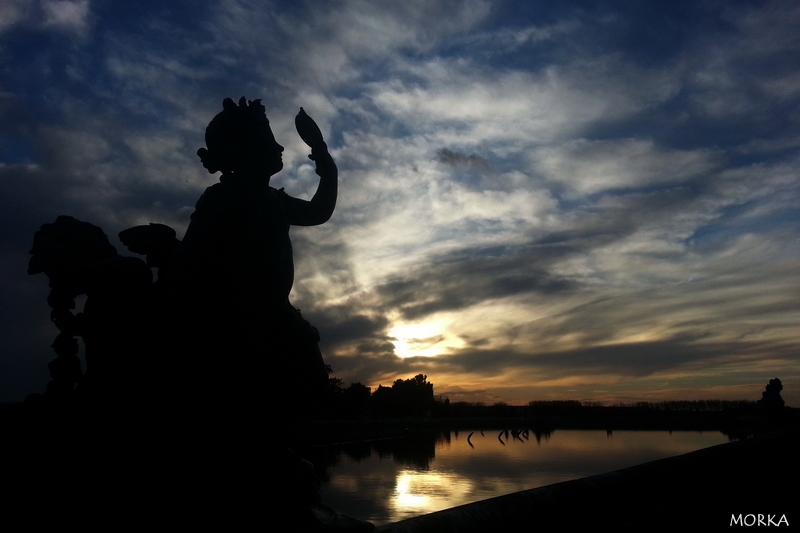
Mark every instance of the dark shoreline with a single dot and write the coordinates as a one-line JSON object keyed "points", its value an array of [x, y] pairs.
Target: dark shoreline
{"points": [[318, 432], [745, 476], [324, 432]]}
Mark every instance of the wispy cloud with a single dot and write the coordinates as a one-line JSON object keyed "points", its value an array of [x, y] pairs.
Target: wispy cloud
{"points": [[67, 15]]}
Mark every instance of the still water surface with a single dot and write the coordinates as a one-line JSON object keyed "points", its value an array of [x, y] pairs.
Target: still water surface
{"points": [[387, 481]]}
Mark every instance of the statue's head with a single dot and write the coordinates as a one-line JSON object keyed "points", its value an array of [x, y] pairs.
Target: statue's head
{"points": [[239, 139]]}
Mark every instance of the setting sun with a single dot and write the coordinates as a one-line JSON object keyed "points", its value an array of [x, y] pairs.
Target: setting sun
{"points": [[423, 340]]}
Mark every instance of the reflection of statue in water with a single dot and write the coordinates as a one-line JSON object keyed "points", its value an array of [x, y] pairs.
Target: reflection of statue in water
{"points": [[78, 260]]}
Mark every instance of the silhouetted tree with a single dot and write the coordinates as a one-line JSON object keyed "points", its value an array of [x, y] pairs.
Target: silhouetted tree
{"points": [[384, 401], [356, 399], [409, 397], [771, 397]]}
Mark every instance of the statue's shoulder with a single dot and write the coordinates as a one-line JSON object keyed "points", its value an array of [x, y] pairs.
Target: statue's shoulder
{"points": [[215, 197], [215, 191], [280, 195]]}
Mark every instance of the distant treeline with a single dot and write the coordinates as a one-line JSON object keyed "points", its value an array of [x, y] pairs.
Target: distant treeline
{"points": [[687, 406], [415, 397], [405, 398], [581, 409]]}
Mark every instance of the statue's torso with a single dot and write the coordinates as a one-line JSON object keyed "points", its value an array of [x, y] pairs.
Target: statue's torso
{"points": [[236, 251]]}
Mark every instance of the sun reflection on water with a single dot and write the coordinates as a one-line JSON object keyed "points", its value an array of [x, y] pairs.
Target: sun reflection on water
{"points": [[399, 480], [425, 492]]}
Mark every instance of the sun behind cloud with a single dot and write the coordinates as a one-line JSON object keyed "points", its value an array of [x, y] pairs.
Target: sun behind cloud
{"points": [[423, 339]]}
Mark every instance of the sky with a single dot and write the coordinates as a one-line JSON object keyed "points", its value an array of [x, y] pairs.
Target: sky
{"points": [[538, 200]]}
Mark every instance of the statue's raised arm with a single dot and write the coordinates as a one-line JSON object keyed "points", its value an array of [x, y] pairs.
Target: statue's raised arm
{"points": [[320, 208]]}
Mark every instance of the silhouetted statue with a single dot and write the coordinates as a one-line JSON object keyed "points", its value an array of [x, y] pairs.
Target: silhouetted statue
{"points": [[155, 241], [227, 283], [65, 369], [244, 354], [771, 397], [78, 259], [215, 340]]}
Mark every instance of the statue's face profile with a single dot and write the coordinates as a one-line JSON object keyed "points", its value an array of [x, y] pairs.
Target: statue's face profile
{"points": [[243, 144], [268, 154]]}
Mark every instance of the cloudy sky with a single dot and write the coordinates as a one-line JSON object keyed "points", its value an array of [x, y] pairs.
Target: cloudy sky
{"points": [[537, 201]]}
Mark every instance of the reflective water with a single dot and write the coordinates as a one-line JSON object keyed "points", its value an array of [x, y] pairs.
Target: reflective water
{"points": [[387, 481]]}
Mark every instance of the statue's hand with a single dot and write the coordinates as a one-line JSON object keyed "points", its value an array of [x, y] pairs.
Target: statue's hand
{"points": [[156, 241], [310, 133], [324, 163]]}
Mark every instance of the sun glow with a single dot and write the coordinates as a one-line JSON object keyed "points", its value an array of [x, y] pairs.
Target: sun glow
{"points": [[426, 339]]}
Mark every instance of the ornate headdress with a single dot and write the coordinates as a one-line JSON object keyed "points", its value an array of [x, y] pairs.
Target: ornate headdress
{"points": [[236, 127]]}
